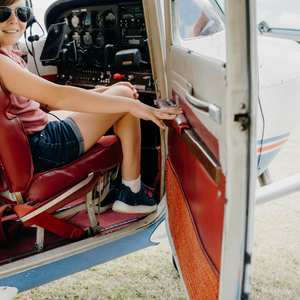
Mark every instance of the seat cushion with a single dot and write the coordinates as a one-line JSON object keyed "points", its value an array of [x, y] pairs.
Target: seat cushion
{"points": [[103, 156]]}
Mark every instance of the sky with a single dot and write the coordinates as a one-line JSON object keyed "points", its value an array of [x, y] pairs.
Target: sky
{"points": [[277, 13]]}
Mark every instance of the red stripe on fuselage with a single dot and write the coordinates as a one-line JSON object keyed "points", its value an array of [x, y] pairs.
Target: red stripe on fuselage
{"points": [[271, 146]]}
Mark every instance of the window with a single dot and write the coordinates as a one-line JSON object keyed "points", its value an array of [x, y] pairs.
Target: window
{"points": [[197, 18], [39, 8], [197, 27]]}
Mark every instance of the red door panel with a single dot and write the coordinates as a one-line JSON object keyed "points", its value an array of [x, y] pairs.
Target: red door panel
{"points": [[205, 198]]}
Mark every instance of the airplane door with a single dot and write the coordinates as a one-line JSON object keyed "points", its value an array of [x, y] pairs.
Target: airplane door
{"points": [[210, 168]]}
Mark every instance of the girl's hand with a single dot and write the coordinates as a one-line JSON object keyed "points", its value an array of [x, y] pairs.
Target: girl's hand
{"points": [[146, 112]]}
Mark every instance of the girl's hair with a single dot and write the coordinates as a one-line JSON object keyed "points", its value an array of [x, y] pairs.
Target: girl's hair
{"points": [[10, 2]]}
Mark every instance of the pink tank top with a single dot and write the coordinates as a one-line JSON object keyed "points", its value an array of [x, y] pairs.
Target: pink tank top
{"points": [[28, 111]]}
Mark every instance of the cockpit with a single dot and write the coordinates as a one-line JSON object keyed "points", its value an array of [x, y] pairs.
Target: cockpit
{"points": [[110, 41]]}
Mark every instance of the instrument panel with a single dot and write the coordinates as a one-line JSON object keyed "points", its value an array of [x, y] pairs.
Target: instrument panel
{"points": [[101, 29], [94, 27]]}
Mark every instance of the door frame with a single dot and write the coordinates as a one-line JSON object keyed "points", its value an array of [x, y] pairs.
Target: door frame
{"points": [[242, 95]]}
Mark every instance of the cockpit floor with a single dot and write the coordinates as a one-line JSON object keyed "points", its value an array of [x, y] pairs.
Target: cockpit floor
{"points": [[24, 244]]}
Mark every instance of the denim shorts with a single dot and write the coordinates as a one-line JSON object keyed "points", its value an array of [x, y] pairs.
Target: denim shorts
{"points": [[58, 144]]}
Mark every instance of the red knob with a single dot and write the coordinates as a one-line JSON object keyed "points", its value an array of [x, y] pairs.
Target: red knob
{"points": [[118, 76]]}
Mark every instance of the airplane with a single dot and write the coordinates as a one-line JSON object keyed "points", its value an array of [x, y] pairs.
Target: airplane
{"points": [[219, 67]]}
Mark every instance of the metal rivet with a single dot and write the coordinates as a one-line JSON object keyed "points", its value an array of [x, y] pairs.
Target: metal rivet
{"points": [[243, 128], [242, 106]]}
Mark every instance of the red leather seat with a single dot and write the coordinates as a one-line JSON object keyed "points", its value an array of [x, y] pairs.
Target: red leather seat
{"points": [[105, 155], [48, 191]]}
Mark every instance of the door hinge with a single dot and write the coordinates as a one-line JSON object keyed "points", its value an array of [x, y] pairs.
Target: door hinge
{"points": [[243, 119]]}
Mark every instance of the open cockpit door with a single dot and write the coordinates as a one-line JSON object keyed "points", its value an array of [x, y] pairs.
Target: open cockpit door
{"points": [[210, 154]]}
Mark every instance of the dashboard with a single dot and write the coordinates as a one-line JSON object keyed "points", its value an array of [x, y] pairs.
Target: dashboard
{"points": [[102, 29]]}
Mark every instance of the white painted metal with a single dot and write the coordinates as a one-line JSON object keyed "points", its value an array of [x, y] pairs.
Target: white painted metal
{"points": [[279, 83], [278, 189], [241, 155], [265, 178], [8, 293], [279, 61], [254, 113], [155, 33], [289, 34], [160, 234], [212, 46], [154, 19], [40, 234], [279, 90]]}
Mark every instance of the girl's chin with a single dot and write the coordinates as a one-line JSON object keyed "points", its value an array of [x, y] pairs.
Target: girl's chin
{"points": [[12, 38]]}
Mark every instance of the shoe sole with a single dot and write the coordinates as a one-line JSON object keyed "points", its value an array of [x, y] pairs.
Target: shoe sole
{"points": [[121, 207], [103, 208]]}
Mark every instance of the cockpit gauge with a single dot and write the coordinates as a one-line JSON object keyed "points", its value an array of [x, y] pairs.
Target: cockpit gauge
{"points": [[86, 20], [87, 38], [109, 19], [98, 21], [74, 36], [99, 39], [74, 21]]}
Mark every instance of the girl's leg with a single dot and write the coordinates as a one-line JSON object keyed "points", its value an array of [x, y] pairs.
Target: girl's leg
{"points": [[132, 197], [127, 128]]}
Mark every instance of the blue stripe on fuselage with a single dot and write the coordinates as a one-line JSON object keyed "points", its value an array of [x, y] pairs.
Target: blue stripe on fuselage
{"points": [[52, 271], [275, 138]]}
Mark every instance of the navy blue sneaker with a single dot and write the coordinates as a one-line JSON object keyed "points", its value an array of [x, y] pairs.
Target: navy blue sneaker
{"points": [[107, 203], [131, 203]]}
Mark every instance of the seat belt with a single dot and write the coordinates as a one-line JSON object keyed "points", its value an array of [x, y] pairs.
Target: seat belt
{"points": [[8, 228], [44, 220]]}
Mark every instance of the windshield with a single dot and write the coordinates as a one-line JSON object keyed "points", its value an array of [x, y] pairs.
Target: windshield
{"points": [[283, 14]]}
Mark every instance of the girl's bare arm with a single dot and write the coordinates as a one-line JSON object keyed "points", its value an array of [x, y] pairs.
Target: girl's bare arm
{"points": [[21, 82]]}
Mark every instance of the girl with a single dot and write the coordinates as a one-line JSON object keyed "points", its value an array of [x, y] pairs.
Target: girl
{"points": [[57, 143]]}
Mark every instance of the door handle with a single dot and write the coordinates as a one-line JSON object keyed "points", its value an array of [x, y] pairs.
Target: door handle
{"points": [[179, 123], [209, 109], [193, 142]]}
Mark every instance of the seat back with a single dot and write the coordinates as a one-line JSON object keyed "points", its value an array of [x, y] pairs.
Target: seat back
{"points": [[15, 156]]}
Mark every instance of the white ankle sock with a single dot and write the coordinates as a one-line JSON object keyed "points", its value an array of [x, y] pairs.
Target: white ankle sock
{"points": [[134, 185]]}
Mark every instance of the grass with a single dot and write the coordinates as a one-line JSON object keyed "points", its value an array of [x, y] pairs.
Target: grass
{"points": [[146, 274], [276, 251], [149, 273]]}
